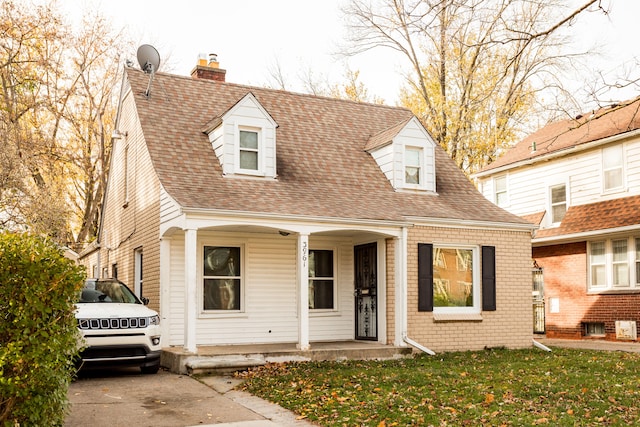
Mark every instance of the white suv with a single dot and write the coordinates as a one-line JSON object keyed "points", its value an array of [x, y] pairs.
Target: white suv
{"points": [[117, 328]]}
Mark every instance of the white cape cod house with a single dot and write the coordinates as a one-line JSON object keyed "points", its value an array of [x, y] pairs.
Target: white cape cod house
{"points": [[255, 216]]}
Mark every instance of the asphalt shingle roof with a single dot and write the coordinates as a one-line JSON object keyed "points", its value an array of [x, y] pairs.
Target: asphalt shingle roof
{"points": [[566, 134], [596, 216], [323, 168]]}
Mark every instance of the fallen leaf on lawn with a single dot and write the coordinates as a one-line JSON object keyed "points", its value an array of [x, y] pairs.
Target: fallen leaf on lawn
{"points": [[489, 398]]}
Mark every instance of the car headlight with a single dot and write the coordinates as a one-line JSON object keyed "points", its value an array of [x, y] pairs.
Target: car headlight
{"points": [[154, 320]]}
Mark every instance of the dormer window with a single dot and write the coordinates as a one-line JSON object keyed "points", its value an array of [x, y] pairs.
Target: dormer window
{"points": [[412, 165], [244, 140], [249, 149], [405, 153]]}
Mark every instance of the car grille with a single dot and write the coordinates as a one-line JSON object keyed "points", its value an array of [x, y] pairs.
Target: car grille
{"points": [[115, 323]]}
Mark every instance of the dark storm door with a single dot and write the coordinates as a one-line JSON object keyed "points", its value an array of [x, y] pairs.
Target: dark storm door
{"points": [[366, 291]]}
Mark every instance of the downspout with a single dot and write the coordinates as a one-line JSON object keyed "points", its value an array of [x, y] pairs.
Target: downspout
{"points": [[403, 282], [541, 346]]}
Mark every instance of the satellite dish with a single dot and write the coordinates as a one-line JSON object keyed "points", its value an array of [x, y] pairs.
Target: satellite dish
{"points": [[148, 58]]}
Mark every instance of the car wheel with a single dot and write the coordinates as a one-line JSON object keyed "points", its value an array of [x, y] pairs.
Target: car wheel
{"points": [[150, 369]]}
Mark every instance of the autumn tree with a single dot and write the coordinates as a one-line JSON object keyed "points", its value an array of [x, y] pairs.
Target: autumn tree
{"points": [[476, 67], [31, 45], [56, 116]]}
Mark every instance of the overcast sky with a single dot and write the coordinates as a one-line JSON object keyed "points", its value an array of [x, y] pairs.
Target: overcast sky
{"points": [[249, 36]]}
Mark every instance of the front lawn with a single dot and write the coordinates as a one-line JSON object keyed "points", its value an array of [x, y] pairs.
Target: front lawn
{"points": [[493, 387]]}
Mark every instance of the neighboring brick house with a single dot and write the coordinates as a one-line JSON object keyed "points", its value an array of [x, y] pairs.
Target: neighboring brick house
{"points": [[579, 180], [265, 216]]}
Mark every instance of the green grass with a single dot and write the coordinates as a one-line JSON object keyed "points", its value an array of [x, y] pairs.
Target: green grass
{"points": [[492, 388]]}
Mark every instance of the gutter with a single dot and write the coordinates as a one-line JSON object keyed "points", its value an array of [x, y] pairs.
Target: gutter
{"points": [[579, 237]]}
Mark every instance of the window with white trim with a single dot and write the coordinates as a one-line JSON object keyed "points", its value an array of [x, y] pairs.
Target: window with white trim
{"points": [[612, 168], [637, 261], [222, 278], [413, 165], [500, 195], [321, 280], [249, 150], [558, 202], [614, 264]]}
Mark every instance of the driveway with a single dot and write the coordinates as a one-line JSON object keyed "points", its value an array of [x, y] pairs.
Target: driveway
{"points": [[126, 398]]}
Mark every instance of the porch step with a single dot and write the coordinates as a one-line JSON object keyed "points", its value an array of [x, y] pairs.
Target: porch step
{"points": [[221, 365], [224, 360]]}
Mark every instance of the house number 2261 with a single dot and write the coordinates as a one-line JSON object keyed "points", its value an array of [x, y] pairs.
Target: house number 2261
{"points": [[304, 254]]}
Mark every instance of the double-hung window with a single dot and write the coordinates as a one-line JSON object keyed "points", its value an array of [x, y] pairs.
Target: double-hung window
{"points": [[558, 203], [413, 166], [249, 149], [222, 277], [620, 263], [500, 195], [614, 264], [613, 168], [321, 279]]}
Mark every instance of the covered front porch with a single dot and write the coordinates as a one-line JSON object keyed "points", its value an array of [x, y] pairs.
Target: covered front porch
{"points": [[280, 295], [231, 358]]}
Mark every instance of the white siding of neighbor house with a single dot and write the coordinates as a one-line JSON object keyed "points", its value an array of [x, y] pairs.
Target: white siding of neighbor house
{"points": [[528, 186], [384, 156], [269, 293]]}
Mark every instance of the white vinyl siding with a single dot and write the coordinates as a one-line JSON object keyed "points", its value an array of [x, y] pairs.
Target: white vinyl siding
{"points": [[580, 173], [269, 310]]}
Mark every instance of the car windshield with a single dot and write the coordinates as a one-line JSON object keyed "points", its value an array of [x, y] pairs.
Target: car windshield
{"points": [[107, 291]]}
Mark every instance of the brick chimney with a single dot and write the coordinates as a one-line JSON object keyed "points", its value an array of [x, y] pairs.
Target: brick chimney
{"points": [[208, 69]]}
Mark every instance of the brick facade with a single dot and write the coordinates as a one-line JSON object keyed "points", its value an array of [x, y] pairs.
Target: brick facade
{"points": [[511, 325], [565, 278]]}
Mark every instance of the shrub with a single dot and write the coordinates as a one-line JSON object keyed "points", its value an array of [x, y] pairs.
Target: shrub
{"points": [[38, 333]]}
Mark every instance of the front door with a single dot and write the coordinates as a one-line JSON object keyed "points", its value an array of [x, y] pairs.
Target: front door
{"points": [[366, 290]]}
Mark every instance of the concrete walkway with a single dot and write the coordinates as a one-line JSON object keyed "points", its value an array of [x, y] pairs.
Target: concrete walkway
{"points": [[628, 346], [124, 398]]}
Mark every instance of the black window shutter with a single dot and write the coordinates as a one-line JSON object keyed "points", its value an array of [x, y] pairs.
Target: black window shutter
{"points": [[489, 278], [425, 277]]}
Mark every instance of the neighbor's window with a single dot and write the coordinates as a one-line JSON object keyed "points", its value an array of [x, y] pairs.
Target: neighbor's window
{"points": [[249, 148], [412, 165], [594, 329], [597, 262], [500, 190], [613, 167], [558, 203], [620, 263], [321, 279], [637, 260], [222, 278], [453, 278], [611, 263]]}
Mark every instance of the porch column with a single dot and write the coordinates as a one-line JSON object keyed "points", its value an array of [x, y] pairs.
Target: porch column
{"points": [[400, 288], [165, 289], [190, 304], [303, 291]]}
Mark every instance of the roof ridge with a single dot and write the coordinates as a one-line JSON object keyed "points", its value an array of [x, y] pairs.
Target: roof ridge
{"points": [[289, 92]]}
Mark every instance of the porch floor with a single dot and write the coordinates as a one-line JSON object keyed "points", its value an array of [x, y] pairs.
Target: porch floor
{"points": [[229, 358]]}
